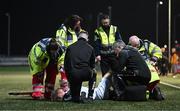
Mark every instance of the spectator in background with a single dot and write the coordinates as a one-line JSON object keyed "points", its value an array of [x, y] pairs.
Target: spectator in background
{"points": [[174, 62], [177, 46], [163, 62]]}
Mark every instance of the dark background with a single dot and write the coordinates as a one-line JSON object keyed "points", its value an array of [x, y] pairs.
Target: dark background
{"points": [[32, 20]]}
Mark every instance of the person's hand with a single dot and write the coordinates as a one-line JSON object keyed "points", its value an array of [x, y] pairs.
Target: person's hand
{"points": [[98, 58], [61, 68], [152, 63]]}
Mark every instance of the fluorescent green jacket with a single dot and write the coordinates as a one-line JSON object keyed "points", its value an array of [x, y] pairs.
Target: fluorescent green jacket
{"points": [[107, 40], [67, 36], [38, 58], [154, 73], [150, 50]]}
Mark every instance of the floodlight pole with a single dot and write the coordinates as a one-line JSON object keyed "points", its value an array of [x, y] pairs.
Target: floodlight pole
{"points": [[157, 21], [169, 29], [158, 3]]}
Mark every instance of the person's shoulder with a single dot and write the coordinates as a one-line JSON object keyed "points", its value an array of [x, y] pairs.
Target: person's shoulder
{"points": [[127, 49], [147, 41], [82, 30], [124, 51], [113, 25], [63, 28], [90, 46], [131, 48], [70, 47], [98, 28]]}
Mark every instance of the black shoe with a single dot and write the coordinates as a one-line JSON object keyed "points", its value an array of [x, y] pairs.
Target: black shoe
{"points": [[157, 94], [83, 95], [87, 100], [90, 99]]}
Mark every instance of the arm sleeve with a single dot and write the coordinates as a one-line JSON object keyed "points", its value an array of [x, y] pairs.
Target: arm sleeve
{"points": [[61, 59], [97, 44], [100, 90], [118, 35], [61, 36], [38, 54], [123, 55], [67, 60], [155, 52], [92, 60]]}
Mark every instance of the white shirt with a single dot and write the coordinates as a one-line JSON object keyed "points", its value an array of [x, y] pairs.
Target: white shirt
{"points": [[98, 91]]}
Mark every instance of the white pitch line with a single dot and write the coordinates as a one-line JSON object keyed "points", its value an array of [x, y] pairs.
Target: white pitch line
{"points": [[177, 87]]}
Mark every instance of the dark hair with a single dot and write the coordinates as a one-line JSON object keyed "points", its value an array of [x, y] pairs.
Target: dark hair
{"points": [[53, 44], [54, 96], [104, 16], [72, 20]]}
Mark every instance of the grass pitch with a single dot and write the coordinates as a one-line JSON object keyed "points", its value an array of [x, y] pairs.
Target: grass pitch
{"points": [[19, 79]]}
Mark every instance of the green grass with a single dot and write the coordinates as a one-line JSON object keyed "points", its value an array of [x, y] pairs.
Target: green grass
{"points": [[171, 80], [14, 80]]}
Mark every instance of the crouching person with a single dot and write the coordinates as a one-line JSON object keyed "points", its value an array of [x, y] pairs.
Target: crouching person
{"points": [[43, 59], [133, 79], [79, 64]]}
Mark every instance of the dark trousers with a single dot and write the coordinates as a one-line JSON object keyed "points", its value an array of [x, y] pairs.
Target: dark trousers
{"points": [[75, 80], [128, 91]]}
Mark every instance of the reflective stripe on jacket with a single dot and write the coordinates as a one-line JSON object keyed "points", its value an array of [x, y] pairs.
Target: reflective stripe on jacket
{"points": [[38, 58], [67, 36], [149, 50], [154, 73]]}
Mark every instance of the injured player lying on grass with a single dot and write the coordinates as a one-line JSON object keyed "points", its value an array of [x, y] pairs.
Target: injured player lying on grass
{"points": [[62, 94]]}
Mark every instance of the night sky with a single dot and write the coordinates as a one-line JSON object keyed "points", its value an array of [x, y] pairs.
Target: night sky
{"points": [[32, 20]]}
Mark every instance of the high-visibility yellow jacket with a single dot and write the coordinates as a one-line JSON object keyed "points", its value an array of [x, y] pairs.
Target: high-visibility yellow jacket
{"points": [[67, 36], [106, 40], [39, 59], [150, 50], [154, 73]]}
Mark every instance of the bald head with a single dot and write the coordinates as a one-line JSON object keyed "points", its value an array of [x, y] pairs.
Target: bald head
{"points": [[83, 35], [134, 41]]}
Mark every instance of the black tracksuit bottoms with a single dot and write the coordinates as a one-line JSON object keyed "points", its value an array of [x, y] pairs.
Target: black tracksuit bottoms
{"points": [[75, 80]]}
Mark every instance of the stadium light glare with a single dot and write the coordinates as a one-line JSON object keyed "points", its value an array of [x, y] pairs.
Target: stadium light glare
{"points": [[161, 2]]}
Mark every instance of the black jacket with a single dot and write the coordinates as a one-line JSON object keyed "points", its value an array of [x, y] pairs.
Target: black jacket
{"points": [[133, 61], [78, 56]]}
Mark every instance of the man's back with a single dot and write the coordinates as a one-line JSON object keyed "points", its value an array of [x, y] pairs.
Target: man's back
{"points": [[79, 55], [133, 61]]}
